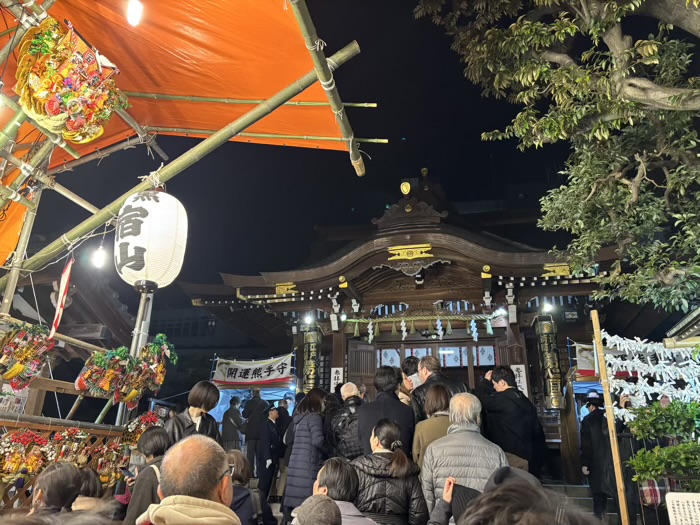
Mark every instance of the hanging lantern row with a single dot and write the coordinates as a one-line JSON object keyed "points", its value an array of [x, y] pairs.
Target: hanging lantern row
{"points": [[443, 325]]}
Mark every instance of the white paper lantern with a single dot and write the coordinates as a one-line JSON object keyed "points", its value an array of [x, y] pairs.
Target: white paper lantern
{"points": [[150, 239]]}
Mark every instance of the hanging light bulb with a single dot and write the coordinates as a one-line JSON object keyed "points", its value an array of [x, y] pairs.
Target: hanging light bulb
{"points": [[134, 11], [308, 319], [99, 257]]}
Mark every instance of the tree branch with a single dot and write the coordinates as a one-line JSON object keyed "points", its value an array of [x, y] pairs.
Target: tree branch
{"points": [[555, 57], [673, 12], [644, 91]]}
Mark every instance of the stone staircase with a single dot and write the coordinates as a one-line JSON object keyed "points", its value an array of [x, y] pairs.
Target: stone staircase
{"points": [[580, 495]]}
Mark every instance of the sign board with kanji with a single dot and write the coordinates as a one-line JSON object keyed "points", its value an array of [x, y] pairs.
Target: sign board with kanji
{"points": [[520, 372], [683, 508], [236, 374], [336, 377]]}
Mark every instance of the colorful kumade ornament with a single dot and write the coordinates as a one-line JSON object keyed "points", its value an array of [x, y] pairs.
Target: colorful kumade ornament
{"points": [[69, 445], [148, 372], [65, 85], [25, 350], [138, 426], [103, 371], [111, 457], [22, 454]]}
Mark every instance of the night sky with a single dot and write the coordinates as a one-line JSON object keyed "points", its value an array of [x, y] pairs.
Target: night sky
{"points": [[253, 208]]}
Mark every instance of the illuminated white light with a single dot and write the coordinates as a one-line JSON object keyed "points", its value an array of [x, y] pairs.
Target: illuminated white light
{"points": [[446, 352], [501, 312], [99, 257], [343, 317], [134, 12], [308, 319], [547, 307]]}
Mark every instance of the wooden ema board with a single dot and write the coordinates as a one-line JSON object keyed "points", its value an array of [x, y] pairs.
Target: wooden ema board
{"points": [[12, 500], [683, 508]]}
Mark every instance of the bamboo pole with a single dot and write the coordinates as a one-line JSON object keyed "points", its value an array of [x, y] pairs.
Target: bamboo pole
{"points": [[60, 337], [188, 131], [8, 31], [40, 156], [142, 133], [105, 410], [610, 416], [184, 161], [325, 75], [25, 21], [12, 195], [234, 101], [74, 409], [98, 154], [9, 133], [18, 259], [53, 137], [48, 181]]}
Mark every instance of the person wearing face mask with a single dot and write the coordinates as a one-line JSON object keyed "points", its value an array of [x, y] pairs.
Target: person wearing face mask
{"points": [[195, 419], [389, 489]]}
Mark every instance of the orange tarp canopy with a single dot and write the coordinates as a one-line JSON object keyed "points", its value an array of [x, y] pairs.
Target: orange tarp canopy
{"points": [[235, 49]]}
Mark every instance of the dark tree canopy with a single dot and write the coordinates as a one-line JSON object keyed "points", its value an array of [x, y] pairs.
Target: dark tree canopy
{"points": [[626, 102]]}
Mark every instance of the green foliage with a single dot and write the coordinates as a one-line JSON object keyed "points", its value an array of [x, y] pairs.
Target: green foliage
{"points": [[679, 421], [625, 106]]}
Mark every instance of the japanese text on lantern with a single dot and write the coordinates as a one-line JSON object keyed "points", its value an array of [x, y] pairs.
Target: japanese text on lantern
{"points": [[129, 225]]}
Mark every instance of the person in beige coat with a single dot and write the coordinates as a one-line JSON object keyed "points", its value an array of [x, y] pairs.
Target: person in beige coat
{"points": [[437, 406]]}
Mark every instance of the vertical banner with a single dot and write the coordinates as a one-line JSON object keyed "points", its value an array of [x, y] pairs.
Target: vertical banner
{"points": [[312, 340], [336, 377], [520, 372], [546, 330], [61, 298]]}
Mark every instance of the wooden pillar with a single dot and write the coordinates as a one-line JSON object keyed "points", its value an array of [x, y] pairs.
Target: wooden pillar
{"points": [[340, 349], [298, 347]]}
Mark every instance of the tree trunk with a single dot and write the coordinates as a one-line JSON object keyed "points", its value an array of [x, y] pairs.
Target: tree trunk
{"points": [[673, 12]]}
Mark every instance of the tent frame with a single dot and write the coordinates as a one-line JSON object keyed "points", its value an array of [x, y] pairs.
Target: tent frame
{"points": [[31, 14]]}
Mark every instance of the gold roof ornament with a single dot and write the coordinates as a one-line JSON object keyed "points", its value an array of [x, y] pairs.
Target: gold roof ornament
{"points": [[285, 289], [410, 252], [556, 270], [405, 187]]}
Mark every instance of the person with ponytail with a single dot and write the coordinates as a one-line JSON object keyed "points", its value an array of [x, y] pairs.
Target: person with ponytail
{"points": [[390, 491]]}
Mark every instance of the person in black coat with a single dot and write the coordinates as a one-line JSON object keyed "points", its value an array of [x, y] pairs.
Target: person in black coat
{"points": [[254, 412], [232, 425], [346, 437], [429, 373], [195, 419], [390, 491], [152, 444], [596, 455], [305, 436], [511, 420], [268, 451], [387, 405]]}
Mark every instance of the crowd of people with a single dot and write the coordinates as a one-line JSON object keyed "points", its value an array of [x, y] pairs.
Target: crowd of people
{"points": [[425, 451]]}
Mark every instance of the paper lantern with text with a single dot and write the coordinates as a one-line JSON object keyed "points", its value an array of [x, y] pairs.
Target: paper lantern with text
{"points": [[150, 238]]}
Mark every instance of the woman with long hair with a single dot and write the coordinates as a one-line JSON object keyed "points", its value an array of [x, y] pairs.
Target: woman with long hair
{"points": [[390, 491], [91, 491], [307, 454], [152, 445], [195, 419]]}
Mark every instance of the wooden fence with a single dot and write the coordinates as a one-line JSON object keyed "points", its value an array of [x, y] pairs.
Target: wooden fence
{"points": [[90, 449]]}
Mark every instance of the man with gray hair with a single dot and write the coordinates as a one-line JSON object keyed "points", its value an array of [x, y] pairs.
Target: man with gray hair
{"points": [[346, 437], [463, 454], [195, 486]]}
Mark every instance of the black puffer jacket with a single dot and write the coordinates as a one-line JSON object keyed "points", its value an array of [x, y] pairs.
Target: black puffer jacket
{"points": [[346, 437], [395, 501], [418, 395], [306, 459]]}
